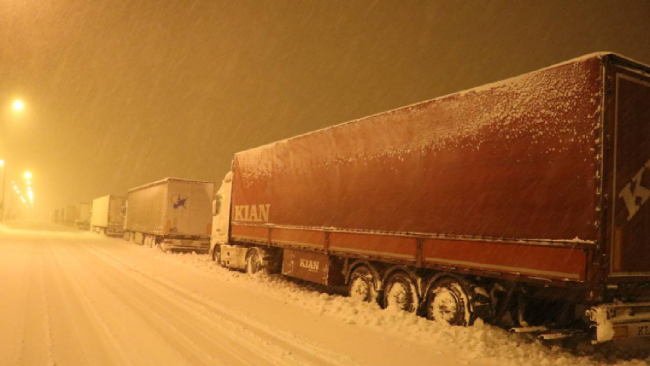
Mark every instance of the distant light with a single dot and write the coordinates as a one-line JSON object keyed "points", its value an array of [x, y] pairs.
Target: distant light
{"points": [[18, 105], [29, 182], [2, 162], [28, 175], [15, 187]]}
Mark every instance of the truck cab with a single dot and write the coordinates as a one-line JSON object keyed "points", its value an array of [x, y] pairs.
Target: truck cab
{"points": [[221, 217]]}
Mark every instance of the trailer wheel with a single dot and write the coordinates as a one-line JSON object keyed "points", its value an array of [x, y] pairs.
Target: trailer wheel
{"points": [[254, 262], [400, 293], [447, 302], [362, 285]]}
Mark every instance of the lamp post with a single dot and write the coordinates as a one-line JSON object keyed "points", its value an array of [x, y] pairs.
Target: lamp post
{"points": [[4, 183]]}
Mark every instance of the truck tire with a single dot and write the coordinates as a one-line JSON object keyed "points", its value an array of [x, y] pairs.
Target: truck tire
{"points": [[362, 285], [400, 292], [254, 262], [448, 302]]}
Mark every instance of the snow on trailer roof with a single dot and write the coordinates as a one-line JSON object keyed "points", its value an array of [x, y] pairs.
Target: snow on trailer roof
{"points": [[165, 180], [110, 195], [494, 85]]}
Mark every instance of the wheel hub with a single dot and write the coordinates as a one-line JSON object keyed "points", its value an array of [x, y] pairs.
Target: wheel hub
{"points": [[444, 307]]}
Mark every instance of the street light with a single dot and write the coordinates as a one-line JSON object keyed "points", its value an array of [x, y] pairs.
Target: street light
{"points": [[28, 175], [18, 105], [4, 181]]}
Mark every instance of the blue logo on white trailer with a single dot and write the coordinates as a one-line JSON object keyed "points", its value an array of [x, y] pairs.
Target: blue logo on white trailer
{"points": [[179, 201]]}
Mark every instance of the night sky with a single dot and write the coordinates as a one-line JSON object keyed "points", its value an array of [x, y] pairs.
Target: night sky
{"points": [[121, 93]]}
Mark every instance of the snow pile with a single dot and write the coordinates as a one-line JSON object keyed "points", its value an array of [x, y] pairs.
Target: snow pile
{"points": [[480, 342]]}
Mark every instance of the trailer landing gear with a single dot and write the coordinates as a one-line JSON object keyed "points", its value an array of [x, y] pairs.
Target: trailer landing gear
{"points": [[254, 262], [216, 254]]}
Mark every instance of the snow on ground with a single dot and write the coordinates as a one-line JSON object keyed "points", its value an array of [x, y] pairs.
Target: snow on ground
{"points": [[480, 342], [72, 298]]}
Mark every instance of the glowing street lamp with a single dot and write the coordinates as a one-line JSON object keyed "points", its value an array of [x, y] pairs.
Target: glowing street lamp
{"points": [[18, 105], [28, 175]]}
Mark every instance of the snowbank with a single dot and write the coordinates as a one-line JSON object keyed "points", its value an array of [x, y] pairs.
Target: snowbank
{"points": [[480, 342]]}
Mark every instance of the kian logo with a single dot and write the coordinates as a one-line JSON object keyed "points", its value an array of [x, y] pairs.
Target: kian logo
{"points": [[308, 264], [179, 201], [635, 198], [252, 213]]}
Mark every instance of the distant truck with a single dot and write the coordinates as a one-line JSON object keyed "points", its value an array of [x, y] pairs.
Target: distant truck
{"points": [[526, 197], [173, 213], [107, 215], [69, 215], [83, 216]]}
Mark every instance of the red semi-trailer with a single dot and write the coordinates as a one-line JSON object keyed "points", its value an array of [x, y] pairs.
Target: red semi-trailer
{"points": [[525, 197]]}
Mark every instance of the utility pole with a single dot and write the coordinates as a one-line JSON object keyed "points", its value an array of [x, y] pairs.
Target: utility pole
{"points": [[4, 184]]}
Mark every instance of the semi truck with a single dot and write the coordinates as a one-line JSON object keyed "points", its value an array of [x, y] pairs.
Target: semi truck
{"points": [[173, 214], [522, 202], [69, 215], [107, 215], [83, 216]]}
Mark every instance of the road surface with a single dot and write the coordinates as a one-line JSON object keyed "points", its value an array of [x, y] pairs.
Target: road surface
{"points": [[75, 298]]}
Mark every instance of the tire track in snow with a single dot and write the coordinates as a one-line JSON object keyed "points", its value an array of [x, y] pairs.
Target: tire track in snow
{"points": [[35, 290], [311, 354], [92, 314], [125, 289], [48, 322]]}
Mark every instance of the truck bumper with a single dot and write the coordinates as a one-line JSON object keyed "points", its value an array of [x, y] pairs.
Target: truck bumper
{"points": [[186, 245], [114, 231], [620, 321]]}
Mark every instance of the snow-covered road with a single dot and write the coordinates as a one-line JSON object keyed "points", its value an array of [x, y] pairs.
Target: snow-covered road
{"points": [[74, 298]]}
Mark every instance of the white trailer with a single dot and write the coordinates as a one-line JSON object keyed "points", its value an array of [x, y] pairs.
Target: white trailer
{"points": [[107, 215], [83, 215], [174, 213]]}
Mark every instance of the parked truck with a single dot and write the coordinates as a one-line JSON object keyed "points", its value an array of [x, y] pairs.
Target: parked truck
{"points": [[69, 215], [107, 215], [173, 214], [526, 197], [83, 216]]}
